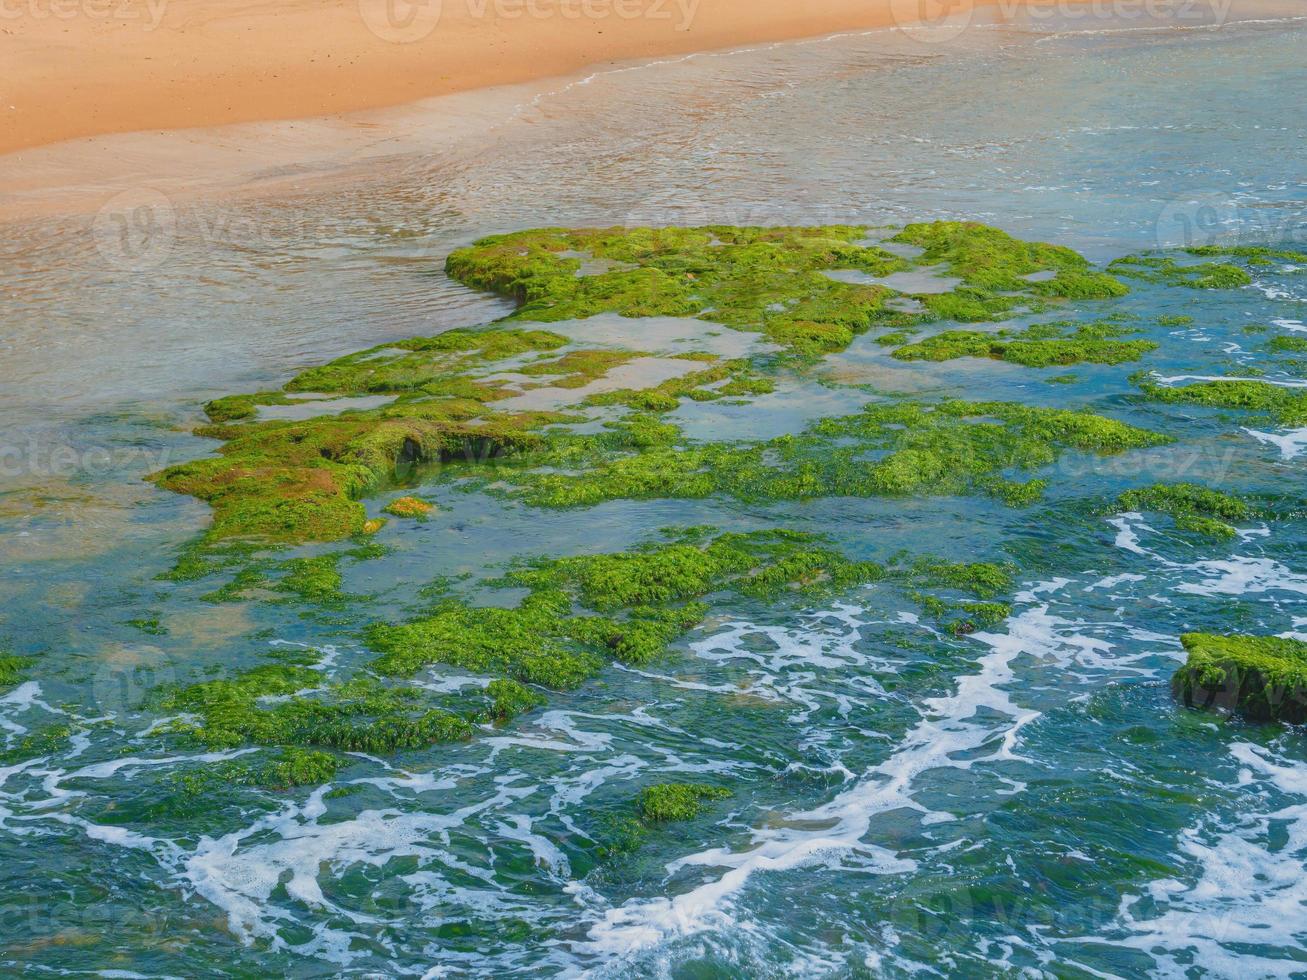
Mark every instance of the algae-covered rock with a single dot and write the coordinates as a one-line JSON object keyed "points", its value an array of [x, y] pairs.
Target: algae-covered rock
{"points": [[413, 507], [1262, 678], [286, 481]]}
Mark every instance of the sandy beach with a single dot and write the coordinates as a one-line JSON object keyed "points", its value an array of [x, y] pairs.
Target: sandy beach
{"points": [[77, 68]]}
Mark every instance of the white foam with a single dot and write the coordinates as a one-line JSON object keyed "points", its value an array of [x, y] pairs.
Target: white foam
{"points": [[953, 730], [1241, 915], [1291, 443], [1242, 576], [1217, 377]]}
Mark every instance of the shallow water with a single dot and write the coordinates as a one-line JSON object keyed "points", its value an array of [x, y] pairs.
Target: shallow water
{"points": [[906, 803]]}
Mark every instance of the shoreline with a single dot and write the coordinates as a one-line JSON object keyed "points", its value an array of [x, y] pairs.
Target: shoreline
{"points": [[123, 167], [163, 65]]}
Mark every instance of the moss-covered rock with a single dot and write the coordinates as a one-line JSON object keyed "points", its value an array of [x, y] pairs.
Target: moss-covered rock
{"points": [[1262, 678], [275, 482], [411, 507]]}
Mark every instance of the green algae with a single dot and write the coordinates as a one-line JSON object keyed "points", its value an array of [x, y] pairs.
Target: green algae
{"points": [[235, 408], [508, 699], [1166, 270], [730, 379], [149, 625], [670, 802], [1285, 345], [12, 670], [764, 279], [552, 637], [283, 482], [287, 705], [991, 262], [1039, 346], [1263, 678], [1175, 320], [442, 365], [888, 449], [44, 741], [1194, 508], [985, 580], [317, 579], [1253, 252], [289, 483], [769, 280], [1285, 405]]}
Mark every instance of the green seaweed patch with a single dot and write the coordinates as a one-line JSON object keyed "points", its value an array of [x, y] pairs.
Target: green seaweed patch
{"points": [[768, 280], [239, 587], [1167, 271], [889, 449], [669, 802], [991, 263], [578, 368], [316, 579], [149, 625], [44, 741], [442, 365], [1255, 253], [1285, 405], [286, 705], [284, 769], [1174, 320], [1287, 345], [12, 670], [290, 483], [1037, 347], [730, 379], [553, 638], [895, 338], [1262, 678], [963, 618], [236, 408], [278, 482], [508, 699], [1194, 508]]}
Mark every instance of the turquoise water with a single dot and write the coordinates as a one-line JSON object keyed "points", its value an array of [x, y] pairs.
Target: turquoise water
{"points": [[1027, 799]]}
